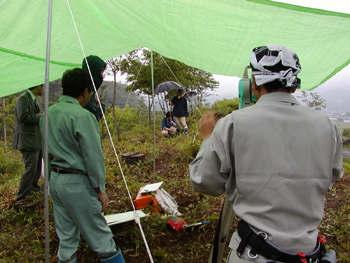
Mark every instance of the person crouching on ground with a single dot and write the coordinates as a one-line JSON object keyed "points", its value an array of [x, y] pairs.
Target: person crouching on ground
{"points": [[169, 125], [77, 172]]}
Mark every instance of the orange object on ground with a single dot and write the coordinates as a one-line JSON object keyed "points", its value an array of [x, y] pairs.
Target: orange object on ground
{"points": [[145, 200]]}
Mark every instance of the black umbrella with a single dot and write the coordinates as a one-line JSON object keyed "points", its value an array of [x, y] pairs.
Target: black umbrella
{"points": [[160, 90], [166, 86]]}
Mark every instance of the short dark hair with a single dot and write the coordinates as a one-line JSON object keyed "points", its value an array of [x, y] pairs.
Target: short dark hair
{"points": [[168, 115], [276, 85], [31, 88], [75, 81]]}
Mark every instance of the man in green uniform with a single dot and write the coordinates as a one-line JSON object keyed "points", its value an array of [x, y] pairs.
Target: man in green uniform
{"points": [[77, 172]]}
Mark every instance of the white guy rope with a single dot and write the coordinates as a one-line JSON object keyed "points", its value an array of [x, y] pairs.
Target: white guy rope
{"points": [[2, 2]]}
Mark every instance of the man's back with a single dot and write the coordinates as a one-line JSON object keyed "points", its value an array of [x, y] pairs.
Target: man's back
{"points": [[74, 140], [275, 161], [284, 161]]}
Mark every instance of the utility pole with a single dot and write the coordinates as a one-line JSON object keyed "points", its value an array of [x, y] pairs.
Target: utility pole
{"points": [[3, 120]]}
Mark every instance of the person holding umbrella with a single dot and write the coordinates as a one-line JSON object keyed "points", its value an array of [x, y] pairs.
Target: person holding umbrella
{"points": [[180, 112]]}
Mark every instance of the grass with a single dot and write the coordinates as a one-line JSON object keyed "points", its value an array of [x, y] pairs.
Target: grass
{"points": [[22, 228]]}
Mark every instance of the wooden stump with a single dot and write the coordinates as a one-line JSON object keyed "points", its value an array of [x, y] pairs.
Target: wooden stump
{"points": [[133, 157]]}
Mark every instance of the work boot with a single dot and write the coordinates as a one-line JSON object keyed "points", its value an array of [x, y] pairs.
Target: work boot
{"points": [[178, 131], [117, 258], [186, 131]]}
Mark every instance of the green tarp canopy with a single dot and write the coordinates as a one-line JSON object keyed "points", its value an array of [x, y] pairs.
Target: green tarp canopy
{"points": [[214, 35]]}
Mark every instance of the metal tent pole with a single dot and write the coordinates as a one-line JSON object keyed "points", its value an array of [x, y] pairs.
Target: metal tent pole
{"points": [[4, 121], [46, 118], [154, 117]]}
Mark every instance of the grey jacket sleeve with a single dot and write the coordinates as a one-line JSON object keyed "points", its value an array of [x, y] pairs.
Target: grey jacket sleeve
{"points": [[211, 168]]}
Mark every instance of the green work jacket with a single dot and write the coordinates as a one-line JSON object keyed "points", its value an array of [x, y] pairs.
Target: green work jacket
{"points": [[74, 141]]}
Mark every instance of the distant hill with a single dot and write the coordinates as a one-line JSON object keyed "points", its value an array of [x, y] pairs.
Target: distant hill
{"points": [[55, 90], [122, 97], [105, 93], [214, 97], [337, 98]]}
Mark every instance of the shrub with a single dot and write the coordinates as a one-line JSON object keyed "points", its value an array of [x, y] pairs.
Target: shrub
{"points": [[226, 106], [346, 133], [10, 167]]}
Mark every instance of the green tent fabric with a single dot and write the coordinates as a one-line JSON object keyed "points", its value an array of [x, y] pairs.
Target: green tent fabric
{"points": [[214, 35]]}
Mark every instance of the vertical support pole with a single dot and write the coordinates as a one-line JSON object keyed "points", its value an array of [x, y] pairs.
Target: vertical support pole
{"points": [[4, 121], [154, 117], [45, 144]]}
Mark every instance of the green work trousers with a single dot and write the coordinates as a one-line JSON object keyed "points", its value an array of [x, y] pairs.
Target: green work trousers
{"points": [[77, 210], [31, 174]]}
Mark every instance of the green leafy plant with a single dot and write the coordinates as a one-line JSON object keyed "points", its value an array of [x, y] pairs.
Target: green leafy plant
{"points": [[226, 106], [346, 133]]}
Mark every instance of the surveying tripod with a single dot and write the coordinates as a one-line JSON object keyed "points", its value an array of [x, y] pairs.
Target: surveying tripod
{"points": [[246, 99]]}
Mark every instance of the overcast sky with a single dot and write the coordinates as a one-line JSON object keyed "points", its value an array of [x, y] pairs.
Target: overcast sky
{"points": [[342, 6], [230, 84]]}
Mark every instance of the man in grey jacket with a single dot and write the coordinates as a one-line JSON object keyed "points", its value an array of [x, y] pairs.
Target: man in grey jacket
{"points": [[27, 139], [275, 160]]}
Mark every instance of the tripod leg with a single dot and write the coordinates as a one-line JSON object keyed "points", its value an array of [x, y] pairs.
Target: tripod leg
{"points": [[222, 232]]}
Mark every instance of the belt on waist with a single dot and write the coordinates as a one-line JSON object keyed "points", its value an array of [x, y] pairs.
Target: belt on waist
{"points": [[65, 171], [258, 245]]}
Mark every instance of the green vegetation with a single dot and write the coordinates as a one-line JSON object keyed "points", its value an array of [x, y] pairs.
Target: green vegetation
{"points": [[225, 106], [137, 66], [346, 133], [22, 227]]}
